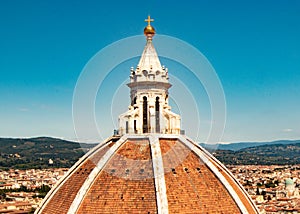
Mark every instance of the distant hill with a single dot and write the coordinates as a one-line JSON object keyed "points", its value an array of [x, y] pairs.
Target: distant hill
{"points": [[269, 154], [36, 152], [242, 145]]}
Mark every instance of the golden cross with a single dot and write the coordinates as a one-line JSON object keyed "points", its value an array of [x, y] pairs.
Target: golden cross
{"points": [[149, 20]]}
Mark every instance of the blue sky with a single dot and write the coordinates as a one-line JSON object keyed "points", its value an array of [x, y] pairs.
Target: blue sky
{"points": [[254, 47]]}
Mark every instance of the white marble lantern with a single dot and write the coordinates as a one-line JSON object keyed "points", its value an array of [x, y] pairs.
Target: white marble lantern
{"points": [[149, 111]]}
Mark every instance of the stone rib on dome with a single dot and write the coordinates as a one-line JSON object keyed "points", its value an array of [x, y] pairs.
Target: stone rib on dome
{"points": [[149, 173]]}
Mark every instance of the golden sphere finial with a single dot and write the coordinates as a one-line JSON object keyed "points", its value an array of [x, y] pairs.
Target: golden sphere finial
{"points": [[149, 31]]}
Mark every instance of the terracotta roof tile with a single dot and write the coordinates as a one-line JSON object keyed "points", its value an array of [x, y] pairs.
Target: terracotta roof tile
{"points": [[127, 189], [63, 198], [126, 183]]}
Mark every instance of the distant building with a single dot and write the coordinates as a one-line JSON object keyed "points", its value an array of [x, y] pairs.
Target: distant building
{"points": [[50, 161], [290, 191]]}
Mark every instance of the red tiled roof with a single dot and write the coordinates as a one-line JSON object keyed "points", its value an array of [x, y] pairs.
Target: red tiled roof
{"points": [[65, 194], [191, 186], [127, 183]]}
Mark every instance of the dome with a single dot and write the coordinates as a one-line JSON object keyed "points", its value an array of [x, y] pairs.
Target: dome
{"points": [[148, 173], [289, 181], [150, 167]]}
